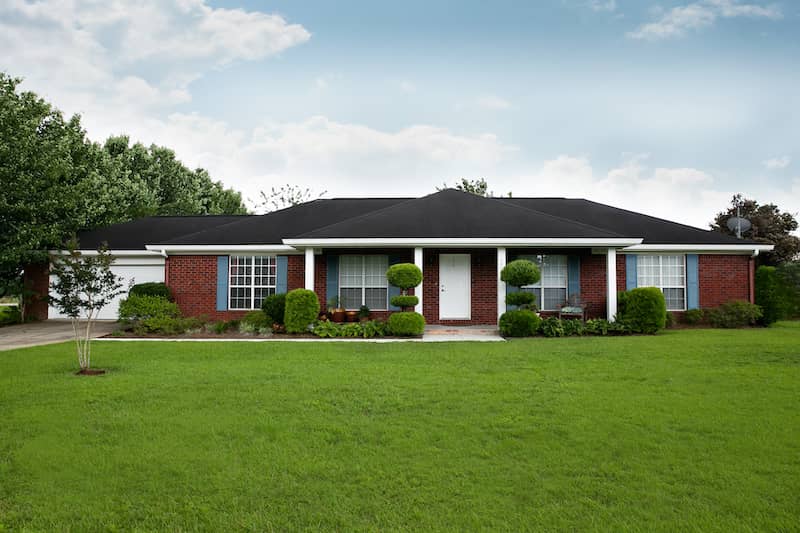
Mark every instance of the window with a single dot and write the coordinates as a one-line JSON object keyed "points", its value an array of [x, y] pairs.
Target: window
{"points": [[551, 290], [250, 280], [668, 273], [362, 281]]}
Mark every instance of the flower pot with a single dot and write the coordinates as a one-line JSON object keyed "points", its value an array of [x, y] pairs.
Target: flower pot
{"points": [[338, 315], [352, 316]]}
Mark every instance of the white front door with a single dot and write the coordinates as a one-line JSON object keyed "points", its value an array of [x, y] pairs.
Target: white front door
{"points": [[454, 286]]}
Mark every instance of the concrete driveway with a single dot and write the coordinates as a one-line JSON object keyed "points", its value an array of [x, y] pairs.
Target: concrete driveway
{"points": [[46, 332]]}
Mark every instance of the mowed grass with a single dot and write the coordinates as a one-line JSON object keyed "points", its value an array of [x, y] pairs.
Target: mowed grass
{"points": [[687, 430]]}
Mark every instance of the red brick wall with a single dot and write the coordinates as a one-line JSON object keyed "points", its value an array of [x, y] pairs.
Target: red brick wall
{"points": [[593, 284], [193, 279], [36, 278], [723, 278], [296, 272], [484, 287]]}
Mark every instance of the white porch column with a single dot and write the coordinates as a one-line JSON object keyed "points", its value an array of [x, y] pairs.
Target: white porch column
{"points": [[310, 269], [501, 285], [419, 289], [611, 280]]}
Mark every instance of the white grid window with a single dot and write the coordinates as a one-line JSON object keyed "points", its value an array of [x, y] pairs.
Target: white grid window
{"points": [[668, 273], [551, 289], [250, 280], [362, 281]]}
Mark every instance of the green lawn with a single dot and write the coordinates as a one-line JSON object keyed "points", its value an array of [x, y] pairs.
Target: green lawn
{"points": [[688, 430]]}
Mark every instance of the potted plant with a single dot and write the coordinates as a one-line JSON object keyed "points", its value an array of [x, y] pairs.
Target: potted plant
{"points": [[352, 316], [363, 313], [336, 312]]}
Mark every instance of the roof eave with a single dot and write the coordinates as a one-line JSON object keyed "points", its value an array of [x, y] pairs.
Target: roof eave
{"points": [[447, 242], [205, 249], [702, 248]]}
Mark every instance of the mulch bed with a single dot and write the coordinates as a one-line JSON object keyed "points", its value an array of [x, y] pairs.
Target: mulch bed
{"points": [[236, 335], [90, 372]]}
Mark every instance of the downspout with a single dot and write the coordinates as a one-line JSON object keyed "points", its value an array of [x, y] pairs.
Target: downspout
{"points": [[166, 267], [753, 276]]}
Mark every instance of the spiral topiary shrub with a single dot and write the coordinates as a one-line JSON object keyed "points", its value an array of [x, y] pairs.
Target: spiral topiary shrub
{"points": [[406, 324], [404, 300], [519, 323], [520, 272], [521, 299], [302, 309], [645, 310]]}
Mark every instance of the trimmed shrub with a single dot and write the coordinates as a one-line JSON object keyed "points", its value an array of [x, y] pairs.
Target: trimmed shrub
{"points": [[519, 323], [645, 310], [520, 272], [693, 316], [152, 289], [552, 327], [790, 276], [735, 314], [622, 303], [274, 306], [369, 329], [406, 324], [404, 275], [404, 300], [772, 295], [135, 308], [256, 319], [302, 308], [524, 300]]}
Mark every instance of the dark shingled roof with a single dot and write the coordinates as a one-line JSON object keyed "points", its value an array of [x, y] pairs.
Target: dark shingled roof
{"points": [[444, 214], [455, 214], [135, 234]]}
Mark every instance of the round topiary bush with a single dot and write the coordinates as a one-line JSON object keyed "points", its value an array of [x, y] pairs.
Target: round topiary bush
{"points": [[519, 323], [274, 306], [302, 309], [645, 310], [406, 324], [404, 275], [520, 272], [404, 301], [152, 289], [520, 298]]}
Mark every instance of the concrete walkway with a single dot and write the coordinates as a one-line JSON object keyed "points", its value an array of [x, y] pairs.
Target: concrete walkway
{"points": [[46, 332]]}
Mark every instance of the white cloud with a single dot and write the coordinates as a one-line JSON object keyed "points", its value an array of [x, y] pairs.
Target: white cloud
{"points": [[679, 20], [603, 5], [408, 87], [494, 103], [777, 163]]}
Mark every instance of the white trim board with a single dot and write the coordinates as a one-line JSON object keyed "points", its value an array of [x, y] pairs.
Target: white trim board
{"points": [[478, 242]]}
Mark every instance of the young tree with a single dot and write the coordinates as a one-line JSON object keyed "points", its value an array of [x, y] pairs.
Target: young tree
{"points": [[83, 285], [286, 196], [770, 226], [478, 187]]}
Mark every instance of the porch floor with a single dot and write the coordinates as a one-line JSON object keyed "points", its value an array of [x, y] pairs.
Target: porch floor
{"points": [[442, 333]]}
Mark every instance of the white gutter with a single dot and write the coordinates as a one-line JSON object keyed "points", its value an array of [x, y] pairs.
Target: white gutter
{"points": [[115, 253], [199, 249], [479, 242], [711, 248]]}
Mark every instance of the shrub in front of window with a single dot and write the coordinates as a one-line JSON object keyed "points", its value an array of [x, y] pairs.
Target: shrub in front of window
{"points": [[693, 316], [519, 323], [255, 321], [406, 324], [404, 275], [404, 301], [302, 309], [645, 310], [152, 289], [274, 307], [772, 295], [734, 314], [518, 273]]}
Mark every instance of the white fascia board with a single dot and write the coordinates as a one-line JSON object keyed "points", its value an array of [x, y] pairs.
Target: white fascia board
{"points": [[209, 249], [115, 253], [700, 248], [460, 243]]}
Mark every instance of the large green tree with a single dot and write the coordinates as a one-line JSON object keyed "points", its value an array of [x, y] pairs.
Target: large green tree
{"points": [[54, 182], [770, 226]]}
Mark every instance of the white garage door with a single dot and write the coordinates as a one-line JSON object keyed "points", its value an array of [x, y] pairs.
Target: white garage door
{"points": [[140, 270]]}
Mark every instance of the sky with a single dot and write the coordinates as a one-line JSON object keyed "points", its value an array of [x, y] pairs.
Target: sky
{"points": [[664, 107]]}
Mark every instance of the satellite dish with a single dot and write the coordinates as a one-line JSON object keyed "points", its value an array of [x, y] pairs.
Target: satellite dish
{"points": [[738, 224]]}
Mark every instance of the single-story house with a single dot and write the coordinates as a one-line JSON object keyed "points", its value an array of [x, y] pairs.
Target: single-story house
{"points": [[223, 266]]}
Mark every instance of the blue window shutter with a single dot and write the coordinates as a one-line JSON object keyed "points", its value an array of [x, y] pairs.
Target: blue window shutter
{"points": [[222, 283], [282, 275], [630, 272], [394, 291], [573, 275], [331, 277], [692, 282]]}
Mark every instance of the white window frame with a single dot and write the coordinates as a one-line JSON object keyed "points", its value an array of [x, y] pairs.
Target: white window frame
{"points": [[660, 284], [272, 261], [363, 286], [540, 284]]}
